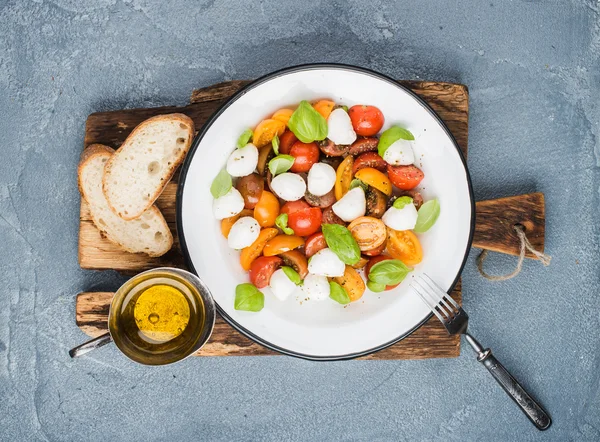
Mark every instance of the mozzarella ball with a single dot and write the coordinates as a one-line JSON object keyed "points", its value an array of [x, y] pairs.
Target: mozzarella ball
{"points": [[288, 186], [401, 219], [339, 127], [316, 287], [321, 179], [352, 205], [243, 233], [400, 153], [281, 286], [326, 263], [229, 204], [243, 161]]}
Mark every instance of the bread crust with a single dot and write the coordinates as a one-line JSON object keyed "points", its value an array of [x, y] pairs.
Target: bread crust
{"points": [[170, 170], [90, 153]]}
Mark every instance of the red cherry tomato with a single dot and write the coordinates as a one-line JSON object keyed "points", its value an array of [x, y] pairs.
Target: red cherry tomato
{"points": [[294, 206], [374, 261], [366, 120], [376, 251], [405, 177], [305, 154], [305, 222], [286, 142], [314, 243], [369, 159], [261, 270]]}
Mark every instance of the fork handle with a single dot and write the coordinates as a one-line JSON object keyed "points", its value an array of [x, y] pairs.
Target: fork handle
{"points": [[534, 411]]}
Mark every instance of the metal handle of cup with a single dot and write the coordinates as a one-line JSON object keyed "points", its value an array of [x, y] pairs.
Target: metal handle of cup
{"points": [[88, 346]]}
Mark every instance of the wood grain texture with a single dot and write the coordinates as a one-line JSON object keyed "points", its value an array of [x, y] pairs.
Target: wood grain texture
{"points": [[495, 221], [429, 341]]}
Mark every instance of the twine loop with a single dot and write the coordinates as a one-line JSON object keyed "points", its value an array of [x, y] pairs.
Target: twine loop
{"points": [[525, 245]]}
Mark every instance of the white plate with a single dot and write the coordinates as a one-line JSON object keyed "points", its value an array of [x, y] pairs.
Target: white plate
{"points": [[326, 330]]}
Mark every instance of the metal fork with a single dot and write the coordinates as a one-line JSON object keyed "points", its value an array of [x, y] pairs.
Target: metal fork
{"points": [[456, 320]]}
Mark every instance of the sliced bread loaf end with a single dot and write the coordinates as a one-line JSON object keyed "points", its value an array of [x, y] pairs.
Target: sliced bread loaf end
{"points": [[148, 234], [141, 168]]}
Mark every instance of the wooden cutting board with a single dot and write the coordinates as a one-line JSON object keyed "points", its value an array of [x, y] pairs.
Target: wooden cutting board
{"points": [[493, 231]]}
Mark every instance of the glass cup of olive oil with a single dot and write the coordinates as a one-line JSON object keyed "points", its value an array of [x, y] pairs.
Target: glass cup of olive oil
{"points": [[158, 317]]}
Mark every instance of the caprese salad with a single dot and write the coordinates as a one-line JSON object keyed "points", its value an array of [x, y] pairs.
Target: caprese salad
{"points": [[312, 195]]}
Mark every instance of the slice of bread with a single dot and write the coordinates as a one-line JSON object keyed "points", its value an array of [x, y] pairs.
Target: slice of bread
{"points": [[148, 234], [141, 168]]}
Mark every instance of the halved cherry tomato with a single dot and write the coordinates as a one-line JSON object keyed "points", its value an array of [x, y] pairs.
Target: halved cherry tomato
{"points": [[368, 232], [267, 209], [366, 120], [405, 177], [265, 153], [297, 261], [227, 223], [314, 243], [343, 177], [329, 217], [266, 130], [282, 243], [286, 141], [283, 115], [375, 178], [251, 188], [294, 206], [361, 263], [405, 246], [305, 155], [305, 222], [261, 270], [369, 159], [374, 261], [376, 251], [253, 251], [324, 107], [352, 282]]}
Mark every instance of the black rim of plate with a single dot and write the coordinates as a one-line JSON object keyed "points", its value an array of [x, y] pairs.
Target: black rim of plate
{"points": [[234, 98]]}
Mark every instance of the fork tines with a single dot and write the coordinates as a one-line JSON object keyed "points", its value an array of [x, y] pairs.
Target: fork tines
{"points": [[438, 301]]}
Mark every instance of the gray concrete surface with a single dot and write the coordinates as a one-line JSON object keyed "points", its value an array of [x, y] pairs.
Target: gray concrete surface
{"points": [[532, 70]]}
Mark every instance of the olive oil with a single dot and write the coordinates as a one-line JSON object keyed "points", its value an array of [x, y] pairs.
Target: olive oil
{"points": [[160, 318]]}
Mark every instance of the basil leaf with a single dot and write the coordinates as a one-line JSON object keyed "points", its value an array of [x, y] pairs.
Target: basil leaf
{"points": [[281, 222], [275, 143], [401, 202], [427, 216], [345, 108], [390, 136], [307, 124], [375, 286], [358, 183], [280, 164], [342, 243], [389, 272], [221, 184], [292, 275], [244, 138], [248, 298], [338, 293]]}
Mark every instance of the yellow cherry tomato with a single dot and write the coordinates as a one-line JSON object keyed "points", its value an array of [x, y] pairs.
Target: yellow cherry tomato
{"points": [[405, 246], [343, 177], [376, 179], [266, 131], [267, 209], [254, 250], [282, 243], [283, 115], [352, 282], [324, 107]]}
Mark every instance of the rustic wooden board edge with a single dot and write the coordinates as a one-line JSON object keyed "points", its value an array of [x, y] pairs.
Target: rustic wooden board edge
{"points": [[429, 341]]}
